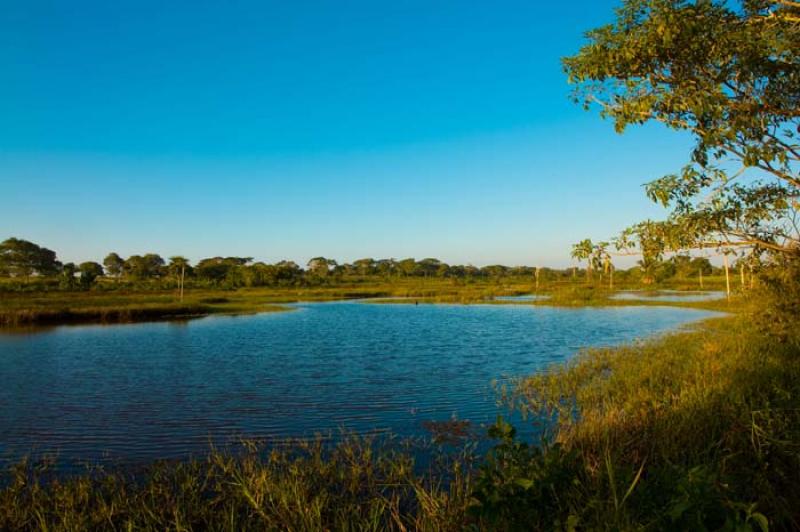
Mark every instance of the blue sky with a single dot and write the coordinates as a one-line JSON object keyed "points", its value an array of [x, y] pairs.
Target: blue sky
{"points": [[296, 129]]}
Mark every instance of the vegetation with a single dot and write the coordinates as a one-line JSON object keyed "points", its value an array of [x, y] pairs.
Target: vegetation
{"points": [[39, 290], [25, 271], [697, 430], [359, 484], [726, 72]]}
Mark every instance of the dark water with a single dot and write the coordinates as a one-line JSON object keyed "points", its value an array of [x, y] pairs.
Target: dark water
{"points": [[163, 390]]}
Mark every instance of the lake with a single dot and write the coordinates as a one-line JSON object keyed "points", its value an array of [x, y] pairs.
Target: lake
{"points": [[139, 392]]}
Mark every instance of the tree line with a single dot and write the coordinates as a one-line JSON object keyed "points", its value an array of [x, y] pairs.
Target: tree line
{"points": [[26, 262]]}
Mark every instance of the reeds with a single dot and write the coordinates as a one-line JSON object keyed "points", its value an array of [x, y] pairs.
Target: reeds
{"points": [[358, 484]]}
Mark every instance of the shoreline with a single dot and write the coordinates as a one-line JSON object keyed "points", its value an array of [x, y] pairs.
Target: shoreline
{"points": [[59, 314]]}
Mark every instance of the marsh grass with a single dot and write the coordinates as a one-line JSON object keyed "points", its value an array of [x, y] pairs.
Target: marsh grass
{"points": [[123, 305], [358, 484], [695, 430]]}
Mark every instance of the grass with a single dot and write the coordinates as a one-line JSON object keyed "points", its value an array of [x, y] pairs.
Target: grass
{"points": [[694, 430], [359, 484]]}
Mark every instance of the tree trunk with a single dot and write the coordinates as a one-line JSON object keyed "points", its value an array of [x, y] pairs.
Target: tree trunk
{"points": [[727, 277], [701, 279]]}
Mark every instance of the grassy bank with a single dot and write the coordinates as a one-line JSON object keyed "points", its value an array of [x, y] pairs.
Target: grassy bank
{"points": [[72, 308], [697, 430]]}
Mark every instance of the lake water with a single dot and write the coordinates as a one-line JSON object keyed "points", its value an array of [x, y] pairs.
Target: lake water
{"points": [[165, 390], [669, 295]]}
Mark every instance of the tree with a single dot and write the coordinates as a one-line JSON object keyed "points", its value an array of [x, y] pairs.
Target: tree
{"points": [[21, 258], [288, 271], [582, 251], [220, 269], [89, 271], [178, 266], [140, 267], [114, 264], [408, 267], [321, 266], [429, 267], [365, 266], [728, 73], [386, 267], [67, 277], [494, 270]]}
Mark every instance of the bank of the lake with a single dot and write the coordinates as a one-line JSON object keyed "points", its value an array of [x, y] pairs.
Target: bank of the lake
{"points": [[109, 304]]}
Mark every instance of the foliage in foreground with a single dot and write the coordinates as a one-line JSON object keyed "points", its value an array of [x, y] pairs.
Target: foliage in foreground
{"points": [[698, 430], [351, 486]]}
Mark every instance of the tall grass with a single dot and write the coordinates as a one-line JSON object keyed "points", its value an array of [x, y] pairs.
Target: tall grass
{"points": [[695, 430], [355, 485]]}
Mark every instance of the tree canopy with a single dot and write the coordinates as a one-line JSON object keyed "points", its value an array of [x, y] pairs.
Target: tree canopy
{"points": [[21, 258], [729, 74]]}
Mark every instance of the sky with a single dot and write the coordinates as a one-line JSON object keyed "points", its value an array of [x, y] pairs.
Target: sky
{"points": [[289, 130]]}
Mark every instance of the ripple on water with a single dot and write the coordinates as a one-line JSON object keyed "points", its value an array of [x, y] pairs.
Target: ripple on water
{"points": [[164, 390]]}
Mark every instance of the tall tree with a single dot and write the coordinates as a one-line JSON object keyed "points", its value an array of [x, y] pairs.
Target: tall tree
{"points": [[113, 264], [321, 266], [21, 258], [177, 266], [149, 266], [89, 271], [582, 251], [728, 72], [67, 277]]}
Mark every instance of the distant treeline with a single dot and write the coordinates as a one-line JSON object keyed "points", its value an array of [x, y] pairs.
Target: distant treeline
{"points": [[25, 264]]}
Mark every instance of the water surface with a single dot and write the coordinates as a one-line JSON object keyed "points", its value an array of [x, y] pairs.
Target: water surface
{"points": [[669, 295], [165, 390]]}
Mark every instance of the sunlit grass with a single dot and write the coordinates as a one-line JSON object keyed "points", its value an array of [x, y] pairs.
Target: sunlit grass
{"points": [[694, 428]]}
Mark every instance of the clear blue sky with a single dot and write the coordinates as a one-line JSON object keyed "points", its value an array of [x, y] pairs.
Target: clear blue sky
{"points": [[295, 129]]}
